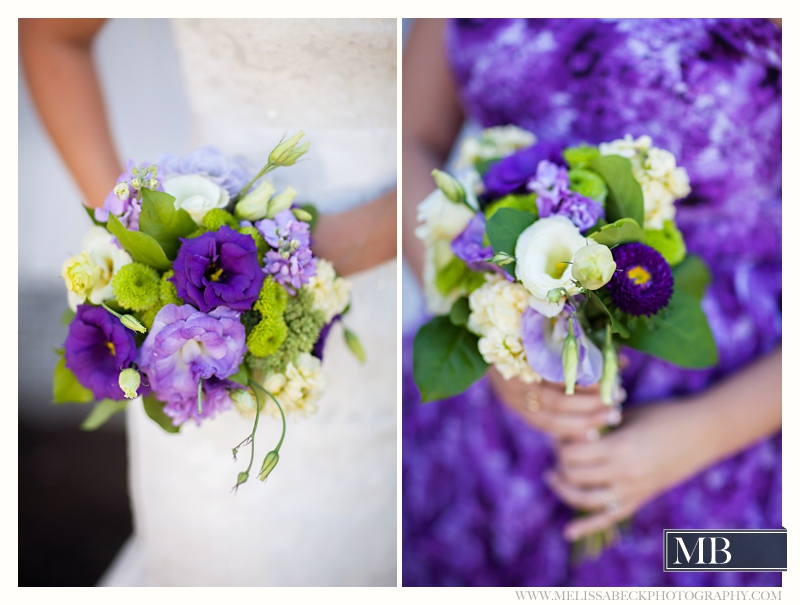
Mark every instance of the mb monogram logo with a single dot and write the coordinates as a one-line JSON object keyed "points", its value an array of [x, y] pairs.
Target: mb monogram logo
{"points": [[725, 550]]}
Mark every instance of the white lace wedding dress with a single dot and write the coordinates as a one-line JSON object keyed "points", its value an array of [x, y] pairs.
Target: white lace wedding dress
{"points": [[327, 514]]}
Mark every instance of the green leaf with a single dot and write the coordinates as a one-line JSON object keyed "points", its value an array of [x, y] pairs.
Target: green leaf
{"points": [[141, 247], [679, 335], [482, 165], [446, 359], [692, 276], [66, 388], [625, 198], [503, 230], [619, 232], [162, 222], [155, 409], [459, 312], [101, 412], [90, 212], [596, 308], [67, 316], [242, 376]]}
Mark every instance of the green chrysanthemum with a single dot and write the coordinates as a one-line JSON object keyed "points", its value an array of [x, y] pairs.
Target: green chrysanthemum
{"points": [[148, 317], [168, 294], [668, 241], [215, 218], [136, 286], [272, 298], [267, 335], [589, 184], [579, 157], [261, 243], [303, 324]]}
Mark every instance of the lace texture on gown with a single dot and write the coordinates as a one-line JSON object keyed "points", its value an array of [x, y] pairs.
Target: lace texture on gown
{"points": [[327, 514], [475, 509]]}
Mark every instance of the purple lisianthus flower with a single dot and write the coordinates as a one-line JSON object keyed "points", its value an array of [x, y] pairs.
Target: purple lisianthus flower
{"points": [[186, 345], [642, 283], [229, 173], [511, 174], [553, 197], [123, 201], [291, 261], [468, 245], [319, 346], [97, 348], [543, 339], [218, 269]]}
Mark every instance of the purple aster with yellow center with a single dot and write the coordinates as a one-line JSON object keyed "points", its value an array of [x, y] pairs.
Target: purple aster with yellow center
{"points": [[642, 283], [291, 262], [186, 346], [97, 348], [218, 269]]}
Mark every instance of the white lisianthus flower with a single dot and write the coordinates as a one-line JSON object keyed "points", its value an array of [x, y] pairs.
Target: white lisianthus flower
{"points": [[544, 252], [593, 266], [196, 194], [656, 170], [495, 142], [88, 275], [331, 293], [299, 387], [496, 316], [440, 218]]}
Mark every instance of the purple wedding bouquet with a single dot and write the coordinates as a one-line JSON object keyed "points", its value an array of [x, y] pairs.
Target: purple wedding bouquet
{"points": [[197, 290], [544, 261]]}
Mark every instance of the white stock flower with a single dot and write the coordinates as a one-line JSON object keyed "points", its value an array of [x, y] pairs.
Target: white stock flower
{"points": [[196, 194], [593, 266], [331, 293], [656, 170], [496, 316], [544, 251], [89, 274], [495, 142], [300, 387]]}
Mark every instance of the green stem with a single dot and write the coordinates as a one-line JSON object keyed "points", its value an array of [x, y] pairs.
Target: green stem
{"points": [[268, 168], [253, 438], [112, 311], [199, 396], [280, 409]]}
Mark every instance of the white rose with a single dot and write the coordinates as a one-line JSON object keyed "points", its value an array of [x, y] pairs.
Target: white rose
{"points": [[196, 194], [593, 266], [101, 258], [544, 251]]}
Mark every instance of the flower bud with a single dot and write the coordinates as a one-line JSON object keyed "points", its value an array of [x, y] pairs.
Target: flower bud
{"points": [[129, 381], [282, 201], [355, 345], [302, 215], [243, 400], [270, 462], [253, 206], [608, 380], [451, 188], [501, 259], [593, 266], [569, 360], [241, 478], [287, 152], [556, 294], [130, 322]]}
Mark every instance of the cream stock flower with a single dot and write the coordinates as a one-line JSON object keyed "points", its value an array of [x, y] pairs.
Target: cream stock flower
{"points": [[496, 316], [299, 387], [331, 293]]}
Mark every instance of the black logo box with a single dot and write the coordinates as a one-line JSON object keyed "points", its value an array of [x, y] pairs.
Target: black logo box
{"points": [[749, 549]]}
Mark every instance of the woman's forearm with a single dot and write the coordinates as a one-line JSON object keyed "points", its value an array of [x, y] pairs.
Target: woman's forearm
{"points": [[56, 56], [360, 238]]}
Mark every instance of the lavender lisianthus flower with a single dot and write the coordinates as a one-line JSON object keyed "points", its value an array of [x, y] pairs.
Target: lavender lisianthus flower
{"points": [[468, 245], [230, 173], [291, 262], [543, 339], [186, 345], [554, 197], [216, 399], [511, 174], [642, 283], [97, 348], [218, 269]]}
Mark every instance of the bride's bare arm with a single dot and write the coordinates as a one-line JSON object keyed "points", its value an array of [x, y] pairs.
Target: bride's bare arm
{"points": [[56, 56], [432, 118]]}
